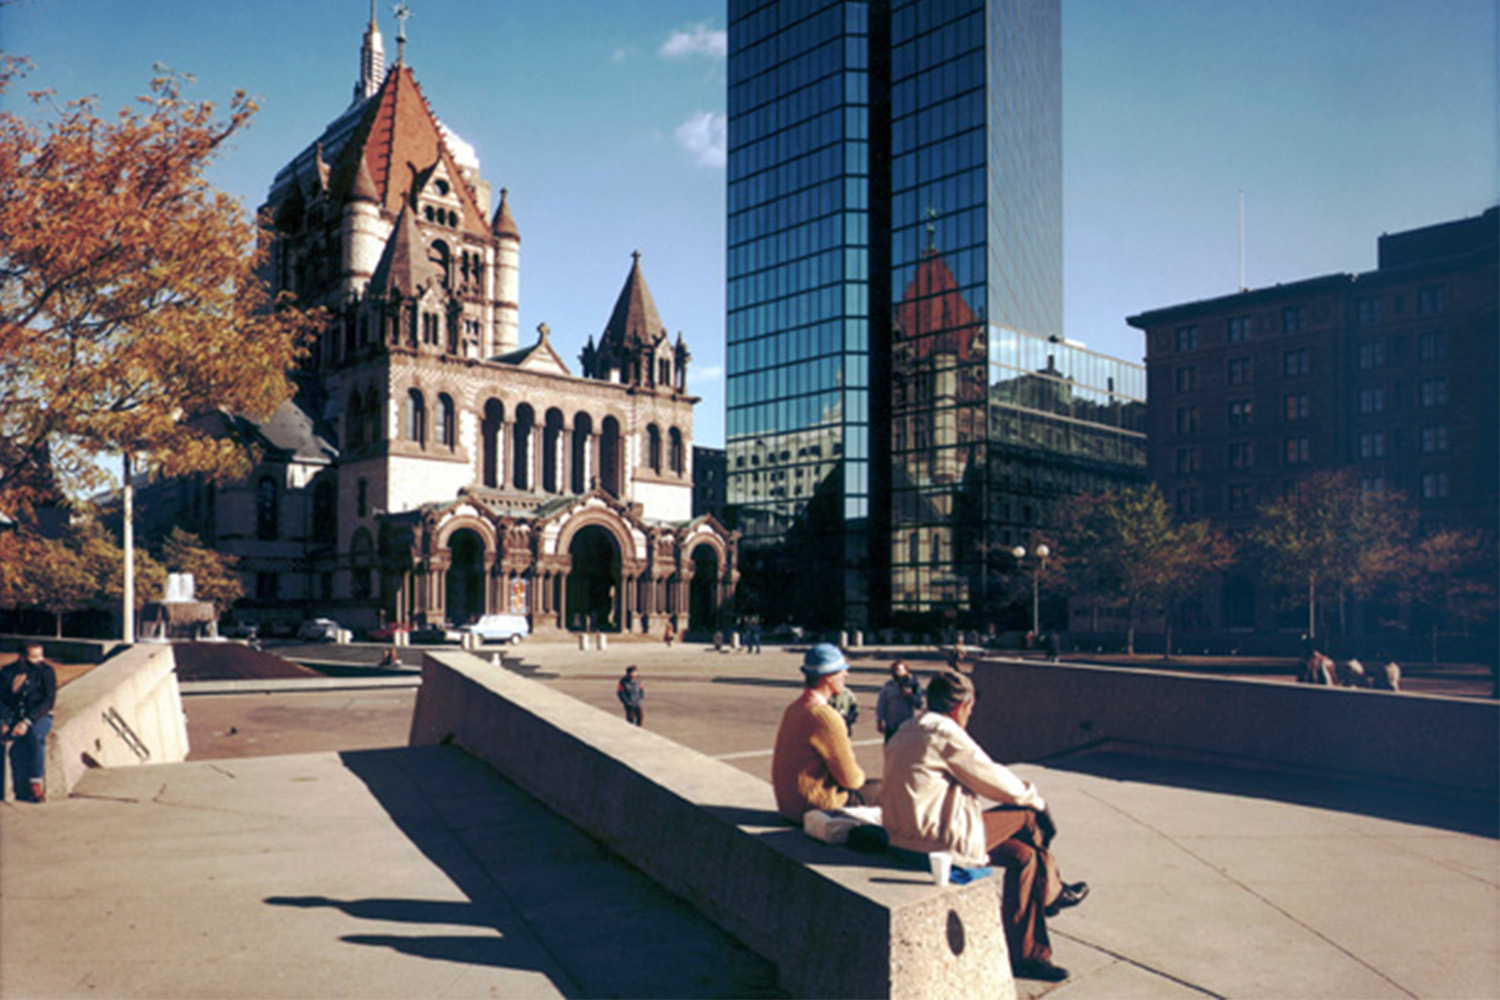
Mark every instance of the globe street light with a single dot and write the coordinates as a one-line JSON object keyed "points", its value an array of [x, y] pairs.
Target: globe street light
{"points": [[1040, 563]]}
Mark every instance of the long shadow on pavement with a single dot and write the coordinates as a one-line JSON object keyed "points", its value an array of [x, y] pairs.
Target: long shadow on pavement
{"points": [[1423, 806], [610, 929]]}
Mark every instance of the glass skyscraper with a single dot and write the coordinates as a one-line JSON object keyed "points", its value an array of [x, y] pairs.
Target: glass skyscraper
{"points": [[895, 246]]}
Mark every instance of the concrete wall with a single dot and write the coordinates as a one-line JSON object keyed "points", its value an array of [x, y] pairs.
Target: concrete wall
{"points": [[70, 650], [125, 711], [835, 923], [1029, 710]]}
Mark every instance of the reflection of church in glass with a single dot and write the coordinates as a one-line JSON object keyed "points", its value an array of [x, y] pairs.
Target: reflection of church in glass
{"points": [[991, 428]]}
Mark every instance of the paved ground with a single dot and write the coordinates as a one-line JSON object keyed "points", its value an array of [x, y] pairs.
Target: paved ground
{"points": [[417, 870]]}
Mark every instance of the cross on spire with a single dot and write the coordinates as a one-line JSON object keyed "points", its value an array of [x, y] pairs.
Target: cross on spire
{"points": [[403, 13]]}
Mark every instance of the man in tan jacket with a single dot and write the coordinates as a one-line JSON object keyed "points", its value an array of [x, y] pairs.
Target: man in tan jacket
{"points": [[935, 774]]}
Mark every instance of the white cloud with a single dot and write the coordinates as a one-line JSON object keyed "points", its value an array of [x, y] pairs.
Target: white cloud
{"points": [[618, 55], [705, 136], [696, 41], [712, 373]]}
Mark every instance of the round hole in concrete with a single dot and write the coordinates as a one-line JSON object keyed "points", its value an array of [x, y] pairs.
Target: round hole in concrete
{"points": [[955, 932]]}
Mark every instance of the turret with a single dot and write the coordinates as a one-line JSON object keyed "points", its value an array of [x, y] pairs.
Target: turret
{"points": [[363, 234], [505, 282], [371, 60]]}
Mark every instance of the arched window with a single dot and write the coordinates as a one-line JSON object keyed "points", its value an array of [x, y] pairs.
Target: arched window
{"points": [[491, 434], [520, 451], [446, 437], [267, 509], [442, 257], [372, 416], [354, 422], [677, 454], [653, 448], [416, 417], [325, 512]]}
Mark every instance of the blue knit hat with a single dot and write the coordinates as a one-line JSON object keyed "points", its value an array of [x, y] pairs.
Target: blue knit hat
{"points": [[824, 658]]}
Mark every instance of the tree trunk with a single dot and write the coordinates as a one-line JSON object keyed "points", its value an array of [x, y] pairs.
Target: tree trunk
{"points": [[1312, 616], [57, 623], [1130, 629], [1166, 653], [1432, 649]]}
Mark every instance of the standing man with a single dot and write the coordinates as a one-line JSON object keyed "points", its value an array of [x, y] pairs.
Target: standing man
{"points": [[813, 765], [28, 690], [632, 694], [899, 700], [934, 776]]}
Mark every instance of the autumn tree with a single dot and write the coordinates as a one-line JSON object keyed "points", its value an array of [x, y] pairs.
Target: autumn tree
{"points": [[214, 578], [1129, 544], [45, 573], [1332, 540], [1449, 574], [129, 300]]}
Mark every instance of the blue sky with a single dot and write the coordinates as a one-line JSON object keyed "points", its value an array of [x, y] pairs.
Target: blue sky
{"points": [[1340, 120]]}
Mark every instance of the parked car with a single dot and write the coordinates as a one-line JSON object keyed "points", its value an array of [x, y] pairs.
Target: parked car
{"points": [[385, 633], [430, 634], [498, 628], [319, 630], [240, 630]]}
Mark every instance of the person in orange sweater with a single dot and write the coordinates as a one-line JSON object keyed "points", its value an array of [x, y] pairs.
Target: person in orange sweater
{"points": [[813, 765]]}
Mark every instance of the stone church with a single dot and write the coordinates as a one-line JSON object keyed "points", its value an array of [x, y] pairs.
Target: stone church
{"points": [[433, 467]]}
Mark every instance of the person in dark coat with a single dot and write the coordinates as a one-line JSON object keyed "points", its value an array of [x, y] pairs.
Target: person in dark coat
{"points": [[28, 690], [632, 694]]}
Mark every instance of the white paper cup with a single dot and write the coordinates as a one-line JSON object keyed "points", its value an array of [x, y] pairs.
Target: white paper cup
{"points": [[941, 863]]}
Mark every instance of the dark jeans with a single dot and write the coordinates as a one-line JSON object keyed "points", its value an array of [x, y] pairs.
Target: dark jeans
{"points": [[28, 758], [635, 715]]}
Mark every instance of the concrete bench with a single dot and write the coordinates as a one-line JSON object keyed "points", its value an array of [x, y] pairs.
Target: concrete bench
{"points": [[835, 923]]}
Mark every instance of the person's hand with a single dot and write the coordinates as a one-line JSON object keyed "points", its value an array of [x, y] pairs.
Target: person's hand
{"points": [[1048, 827], [20, 728]]}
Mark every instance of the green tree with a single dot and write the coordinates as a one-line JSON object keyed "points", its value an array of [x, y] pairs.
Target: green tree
{"points": [[129, 299], [214, 578], [1129, 544], [1450, 574], [1332, 540]]}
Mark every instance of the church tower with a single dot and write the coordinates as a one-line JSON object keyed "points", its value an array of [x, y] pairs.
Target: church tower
{"points": [[371, 61], [506, 280]]}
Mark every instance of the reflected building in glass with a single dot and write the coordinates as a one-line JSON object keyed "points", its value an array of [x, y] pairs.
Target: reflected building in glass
{"points": [[901, 407]]}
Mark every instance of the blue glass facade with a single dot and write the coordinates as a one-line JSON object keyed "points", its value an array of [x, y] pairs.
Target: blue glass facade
{"points": [[895, 175]]}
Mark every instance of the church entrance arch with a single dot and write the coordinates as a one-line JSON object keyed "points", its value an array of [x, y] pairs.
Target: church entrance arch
{"points": [[594, 581], [464, 582], [703, 605]]}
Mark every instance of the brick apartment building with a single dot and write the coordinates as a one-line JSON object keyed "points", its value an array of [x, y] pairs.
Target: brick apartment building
{"points": [[1390, 372]]}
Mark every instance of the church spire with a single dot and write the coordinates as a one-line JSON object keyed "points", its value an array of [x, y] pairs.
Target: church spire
{"points": [[371, 60]]}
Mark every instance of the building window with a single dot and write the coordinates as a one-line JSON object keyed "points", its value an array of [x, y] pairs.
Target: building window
{"points": [[1240, 371], [1241, 496], [416, 417], [1297, 451], [1433, 392], [1434, 439], [1434, 485], [1239, 329], [1296, 406], [1241, 413], [1294, 319], [653, 448], [1372, 484], [1241, 455], [1371, 355], [1294, 363], [1372, 399], [677, 455], [1432, 346], [1187, 502], [362, 497], [266, 586], [1187, 338], [267, 509], [1187, 379], [1431, 300], [1372, 444], [1368, 311], [1187, 420], [445, 428], [1187, 461]]}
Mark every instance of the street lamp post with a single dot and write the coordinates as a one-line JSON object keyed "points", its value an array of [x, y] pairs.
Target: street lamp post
{"points": [[1040, 563]]}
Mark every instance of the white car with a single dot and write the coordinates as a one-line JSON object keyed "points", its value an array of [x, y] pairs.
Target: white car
{"points": [[319, 630], [499, 628]]}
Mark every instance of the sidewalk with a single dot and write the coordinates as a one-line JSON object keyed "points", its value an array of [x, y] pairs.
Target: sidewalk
{"points": [[314, 875]]}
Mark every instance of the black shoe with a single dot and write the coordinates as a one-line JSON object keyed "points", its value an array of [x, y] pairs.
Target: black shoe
{"points": [[1038, 968], [1072, 894]]}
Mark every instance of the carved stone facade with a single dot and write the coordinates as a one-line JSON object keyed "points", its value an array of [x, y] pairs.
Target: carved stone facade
{"points": [[431, 468]]}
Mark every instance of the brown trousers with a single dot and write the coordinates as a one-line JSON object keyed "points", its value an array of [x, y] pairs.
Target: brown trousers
{"points": [[1032, 881]]}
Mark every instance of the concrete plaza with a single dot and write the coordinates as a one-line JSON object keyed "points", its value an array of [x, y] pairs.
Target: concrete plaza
{"points": [[346, 869]]}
